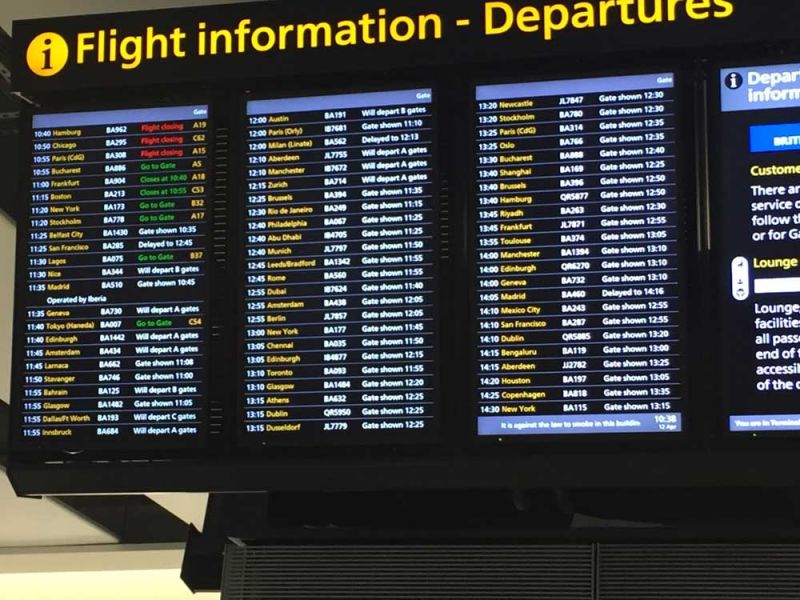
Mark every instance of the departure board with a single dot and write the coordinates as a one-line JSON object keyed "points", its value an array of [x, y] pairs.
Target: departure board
{"points": [[756, 203], [578, 248], [114, 304], [340, 336]]}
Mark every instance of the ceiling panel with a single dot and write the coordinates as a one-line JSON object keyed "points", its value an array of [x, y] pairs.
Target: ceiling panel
{"points": [[120, 585], [33, 9]]}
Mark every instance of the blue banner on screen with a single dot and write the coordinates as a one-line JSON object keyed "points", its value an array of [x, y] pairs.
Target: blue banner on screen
{"points": [[340, 102], [775, 138], [760, 88], [594, 85], [766, 423], [579, 424], [117, 117]]}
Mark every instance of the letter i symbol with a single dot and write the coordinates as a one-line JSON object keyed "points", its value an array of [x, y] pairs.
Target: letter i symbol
{"points": [[734, 81], [47, 52]]}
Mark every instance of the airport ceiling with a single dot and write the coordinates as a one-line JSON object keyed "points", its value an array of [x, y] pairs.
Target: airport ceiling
{"points": [[32, 9]]}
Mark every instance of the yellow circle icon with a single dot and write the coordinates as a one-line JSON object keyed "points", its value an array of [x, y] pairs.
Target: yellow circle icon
{"points": [[47, 54]]}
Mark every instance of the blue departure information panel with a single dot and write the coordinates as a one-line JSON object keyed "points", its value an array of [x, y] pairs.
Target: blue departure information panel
{"points": [[579, 258], [340, 266], [756, 203], [114, 305]]}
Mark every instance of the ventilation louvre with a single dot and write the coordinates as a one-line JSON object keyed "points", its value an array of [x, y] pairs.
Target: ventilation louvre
{"points": [[699, 572], [408, 572], [567, 572]]}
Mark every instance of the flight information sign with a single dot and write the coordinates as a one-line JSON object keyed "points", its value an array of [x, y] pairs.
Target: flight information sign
{"points": [[757, 217], [114, 306], [340, 340], [578, 254]]}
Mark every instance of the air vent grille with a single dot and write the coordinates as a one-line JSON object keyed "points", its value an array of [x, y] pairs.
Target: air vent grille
{"points": [[699, 572], [408, 572]]}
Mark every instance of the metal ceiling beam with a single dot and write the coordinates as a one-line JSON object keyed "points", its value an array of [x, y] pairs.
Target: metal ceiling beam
{"points": [[131, 519], [4, 429]]}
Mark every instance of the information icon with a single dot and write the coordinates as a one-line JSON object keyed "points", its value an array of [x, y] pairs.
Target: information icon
{"points": [[733, 81]]}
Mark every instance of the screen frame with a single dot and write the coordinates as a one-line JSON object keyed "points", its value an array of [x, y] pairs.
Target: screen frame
{"points": [[706, 457], [434, 441], [688, 202], [38, 453], [727, 439]]}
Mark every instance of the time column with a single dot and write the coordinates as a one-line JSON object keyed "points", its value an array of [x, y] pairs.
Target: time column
{"points": [[66, 298]]}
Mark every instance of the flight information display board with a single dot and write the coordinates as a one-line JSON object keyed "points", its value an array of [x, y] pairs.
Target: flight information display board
{"points": [[757, 217], [114, 306], [340, 337], [579, 253]]}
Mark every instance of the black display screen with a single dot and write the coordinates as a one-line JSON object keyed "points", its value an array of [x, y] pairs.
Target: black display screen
{"points": [[340, 341], [112, 308], [756, 215], [579, 252]]}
